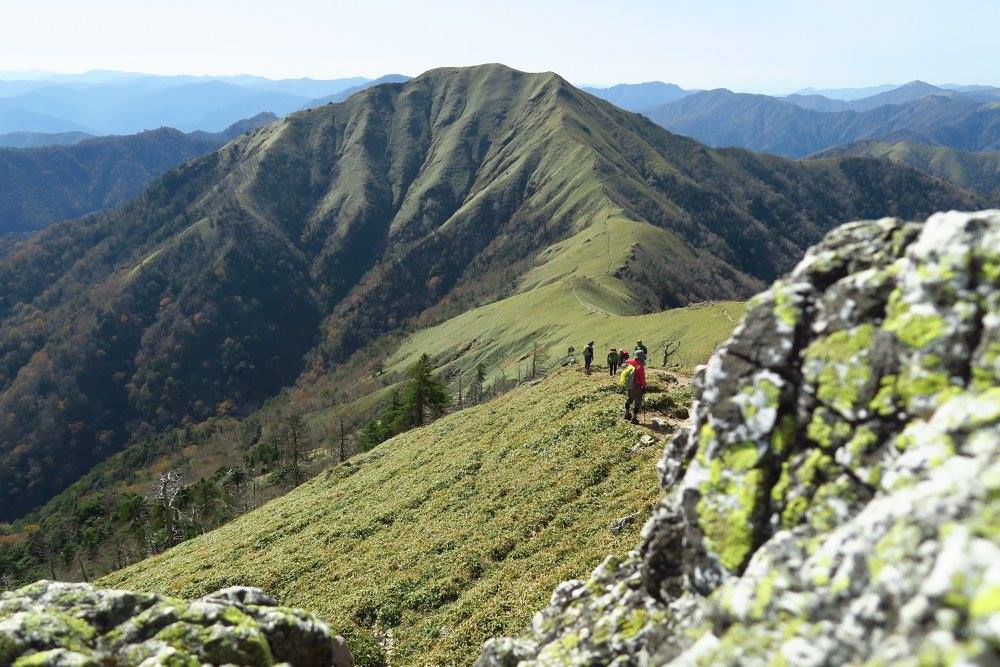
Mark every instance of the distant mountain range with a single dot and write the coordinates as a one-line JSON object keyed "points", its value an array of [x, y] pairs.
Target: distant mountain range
{"points": [[125, 103], [968, 121], [16, 119], [36, 139], [643, 96], [966, 118], [297, 245], [909, 92], [39, 186], [847, 93], [639, 96], [109, 102], [347, 92]]}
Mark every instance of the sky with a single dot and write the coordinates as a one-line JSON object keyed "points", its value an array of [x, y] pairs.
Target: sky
{"points": [[767, 46]]}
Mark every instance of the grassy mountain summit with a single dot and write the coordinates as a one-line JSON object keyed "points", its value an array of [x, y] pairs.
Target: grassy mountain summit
{"points": [[293, 247]]}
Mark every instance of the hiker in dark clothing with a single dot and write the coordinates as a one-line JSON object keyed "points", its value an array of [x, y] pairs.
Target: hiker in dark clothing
{"points": [[613, 362], [640, 346], [588, 357], [635, 387]]}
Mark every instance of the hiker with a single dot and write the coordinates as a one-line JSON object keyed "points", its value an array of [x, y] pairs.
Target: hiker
{"points": [[639, 346], [588, 357], [612, 362], [622, 357], [633, 379]]}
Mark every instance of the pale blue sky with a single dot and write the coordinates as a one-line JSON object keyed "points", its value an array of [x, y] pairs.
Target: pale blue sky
{"points": [[765, 45]]}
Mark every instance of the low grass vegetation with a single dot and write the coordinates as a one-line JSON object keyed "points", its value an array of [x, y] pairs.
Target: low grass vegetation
{"points": [[447, 534], [222, 467], [502, 335]]}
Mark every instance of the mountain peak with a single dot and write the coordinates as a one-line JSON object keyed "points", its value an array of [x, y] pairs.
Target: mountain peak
{"points": [[487, 71], [918, 84], [404, 205]]}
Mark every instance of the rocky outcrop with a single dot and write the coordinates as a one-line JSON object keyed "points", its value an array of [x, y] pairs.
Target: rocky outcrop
{"points": [[62, 624], [836, 499]]}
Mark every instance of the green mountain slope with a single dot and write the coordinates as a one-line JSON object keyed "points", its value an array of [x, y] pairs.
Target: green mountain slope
{"points": [[297, 245], [979, 172], [104, 527], [556, 317], [445, 535], [39, 186]]}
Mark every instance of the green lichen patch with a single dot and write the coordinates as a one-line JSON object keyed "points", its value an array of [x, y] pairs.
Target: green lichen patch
{"points": [[726, 513], [840, 367], [786, 308], [49, 623]]}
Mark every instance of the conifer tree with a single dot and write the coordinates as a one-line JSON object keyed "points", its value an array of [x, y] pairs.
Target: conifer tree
{"points": [[425, 397]]}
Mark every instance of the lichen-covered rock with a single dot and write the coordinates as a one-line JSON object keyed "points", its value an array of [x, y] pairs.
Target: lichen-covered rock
{"points": [[55, 624], [836, 499]]}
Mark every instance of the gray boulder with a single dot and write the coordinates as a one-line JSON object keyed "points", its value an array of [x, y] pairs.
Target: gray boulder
{"points": [[837, 497], [55, 624]]}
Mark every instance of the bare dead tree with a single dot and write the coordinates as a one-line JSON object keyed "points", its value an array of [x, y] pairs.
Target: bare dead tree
{"points": [[83, 569], [246, 494], [338, 448], [672, 344], [163, 495]]}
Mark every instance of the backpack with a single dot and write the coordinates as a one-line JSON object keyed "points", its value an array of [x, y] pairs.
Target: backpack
{"points": [[627, 376]]}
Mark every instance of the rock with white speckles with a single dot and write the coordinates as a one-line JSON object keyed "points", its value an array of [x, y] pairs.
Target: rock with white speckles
{"points": [[61, 624], [837, 497]]}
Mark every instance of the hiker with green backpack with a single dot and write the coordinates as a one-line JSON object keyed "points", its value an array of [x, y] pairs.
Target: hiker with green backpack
{"points": [[633, 380], [613, 362]]}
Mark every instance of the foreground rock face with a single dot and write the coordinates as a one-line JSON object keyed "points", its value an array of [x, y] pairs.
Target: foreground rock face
{"points": [[53, 623], [837, 498]]}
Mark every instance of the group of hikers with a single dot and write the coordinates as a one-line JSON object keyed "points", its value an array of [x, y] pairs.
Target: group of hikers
{"points": [[632, 375]]}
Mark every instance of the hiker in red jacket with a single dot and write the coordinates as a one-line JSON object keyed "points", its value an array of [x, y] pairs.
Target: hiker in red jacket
{"points": [[635, 387]]}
